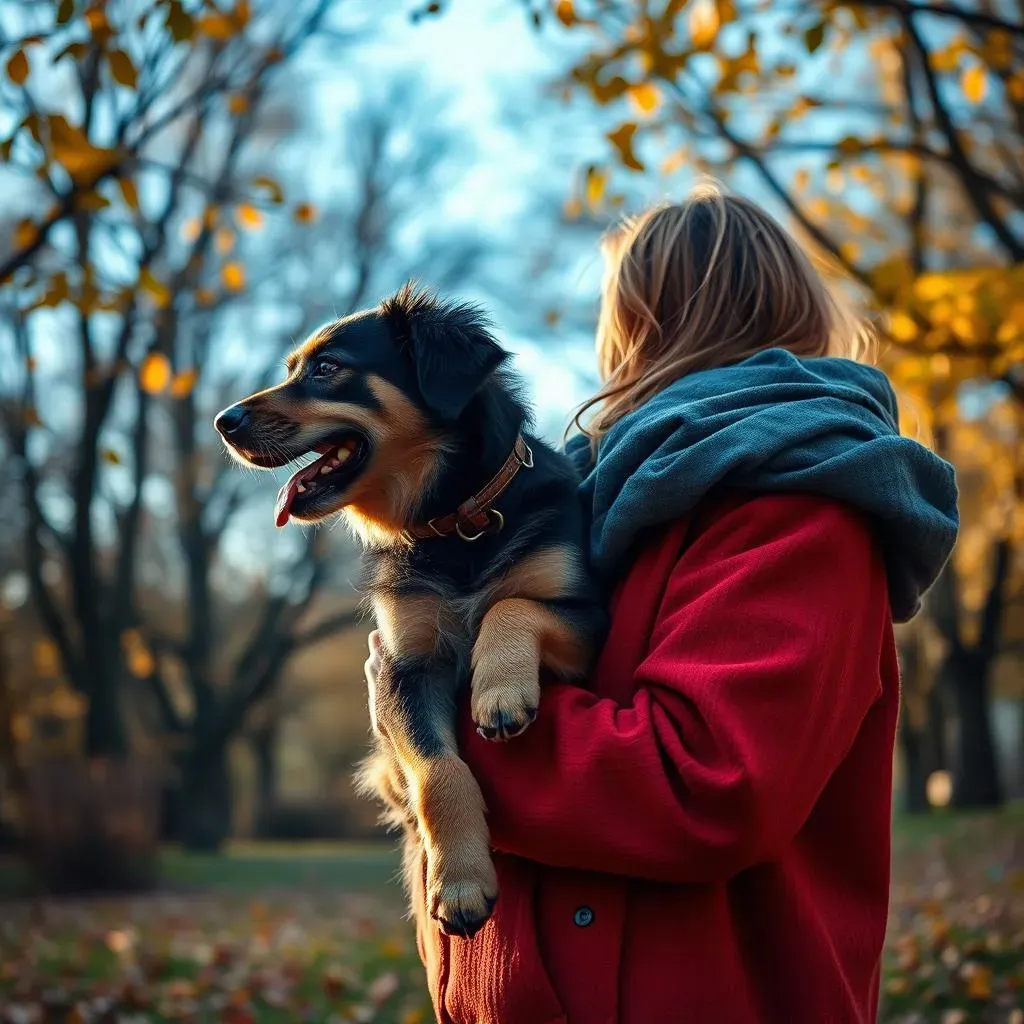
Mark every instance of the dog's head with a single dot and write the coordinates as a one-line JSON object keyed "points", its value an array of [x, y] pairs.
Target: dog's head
{"points": [[376, 396]]}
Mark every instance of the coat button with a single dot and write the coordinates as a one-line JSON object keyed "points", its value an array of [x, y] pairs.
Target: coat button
{"points": [[583, 917]]}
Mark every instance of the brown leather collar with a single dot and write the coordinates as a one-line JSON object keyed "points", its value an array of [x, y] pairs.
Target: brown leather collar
{"points": [[475, 516]]}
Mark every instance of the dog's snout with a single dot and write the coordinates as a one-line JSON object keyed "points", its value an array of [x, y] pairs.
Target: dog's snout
{"points": [[232, 420]]}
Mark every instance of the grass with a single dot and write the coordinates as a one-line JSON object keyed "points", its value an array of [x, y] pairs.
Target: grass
{"points": [[315, 932]]}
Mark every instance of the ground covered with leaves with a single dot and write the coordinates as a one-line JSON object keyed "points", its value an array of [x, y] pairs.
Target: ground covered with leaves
{"points": [[299, 934]]}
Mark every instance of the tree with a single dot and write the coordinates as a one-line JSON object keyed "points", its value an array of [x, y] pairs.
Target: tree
{"points": [[171, 234], [891, 136]]}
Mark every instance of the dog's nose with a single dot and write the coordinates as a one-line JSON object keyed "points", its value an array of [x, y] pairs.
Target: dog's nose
{"points": [[231, 420]]}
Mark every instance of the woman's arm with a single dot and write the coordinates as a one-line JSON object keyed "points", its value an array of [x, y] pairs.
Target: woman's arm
{"points": [[763, 662]]}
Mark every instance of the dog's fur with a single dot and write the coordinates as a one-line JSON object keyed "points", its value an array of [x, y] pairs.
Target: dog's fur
{"points": [[421, 383]]}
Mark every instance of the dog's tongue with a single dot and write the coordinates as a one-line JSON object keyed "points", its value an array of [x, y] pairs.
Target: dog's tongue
{"points": [[285, 496]]}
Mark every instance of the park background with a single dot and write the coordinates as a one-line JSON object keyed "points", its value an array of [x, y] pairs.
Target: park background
{"points": [[188, 187]]}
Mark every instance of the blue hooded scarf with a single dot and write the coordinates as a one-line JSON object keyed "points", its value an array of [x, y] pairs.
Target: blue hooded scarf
{"points": [[773, 423]]}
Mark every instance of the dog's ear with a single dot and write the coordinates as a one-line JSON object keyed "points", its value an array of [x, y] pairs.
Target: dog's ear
{"points": [[451, 347]]}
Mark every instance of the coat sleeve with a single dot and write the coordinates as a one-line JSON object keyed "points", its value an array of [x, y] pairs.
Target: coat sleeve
{"points": [[762, 665]]}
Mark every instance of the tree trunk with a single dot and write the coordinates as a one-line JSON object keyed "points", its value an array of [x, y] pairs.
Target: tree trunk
{"points": [[916, 771], [104, 724], [264, 748], [976, 773], [924, 752], [204, 804]]}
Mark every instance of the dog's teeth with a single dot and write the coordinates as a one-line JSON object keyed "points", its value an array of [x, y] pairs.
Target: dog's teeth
{"points": [[342, 455], [301, 488], [324, 470]]}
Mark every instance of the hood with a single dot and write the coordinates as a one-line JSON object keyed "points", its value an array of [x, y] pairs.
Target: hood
{"points": [[773, 423]]}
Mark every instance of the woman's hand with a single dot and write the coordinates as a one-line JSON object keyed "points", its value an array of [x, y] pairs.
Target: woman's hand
{"points": [[371, 669]]}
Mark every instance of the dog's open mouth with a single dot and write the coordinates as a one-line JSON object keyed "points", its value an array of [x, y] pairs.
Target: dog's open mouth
{"points": [[307, 492]]}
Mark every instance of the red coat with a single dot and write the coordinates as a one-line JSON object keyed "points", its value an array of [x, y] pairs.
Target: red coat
{"points": [[702, 836]]}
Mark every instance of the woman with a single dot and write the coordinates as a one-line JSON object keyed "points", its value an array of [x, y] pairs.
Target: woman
{"points": [[702, 834]]}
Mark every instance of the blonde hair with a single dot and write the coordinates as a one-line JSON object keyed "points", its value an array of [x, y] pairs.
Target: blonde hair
{"points": [[702, 284]]}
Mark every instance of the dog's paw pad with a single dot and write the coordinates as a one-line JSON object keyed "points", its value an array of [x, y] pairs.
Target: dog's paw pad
{"points": [[501, 718], [462, 908]]}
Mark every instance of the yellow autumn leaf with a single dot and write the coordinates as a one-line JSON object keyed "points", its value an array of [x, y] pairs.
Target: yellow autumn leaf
{"points": [[902, 327], [974, 83], [25, 233], [675, 161], [224, 240], [704, 24], [595, 185], [75, 153], [218, 26], [129, 192], [234, 276], [249, 217], [801, 179], [155, 288], [140, 660], [17, 68], [929, 287], [184, 382], [565, 12], [645, 97], [622, 140], [190, 229], [122, 69], [111, 456], [155, 373], [1015, 87], [205, 296], [273, 187], [96, 19], [238, 104], [305, 213], [45, 657]]}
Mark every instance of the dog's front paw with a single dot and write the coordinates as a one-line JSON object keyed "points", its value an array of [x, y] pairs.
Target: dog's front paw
{"points": [[461, 901], [504, 710]]}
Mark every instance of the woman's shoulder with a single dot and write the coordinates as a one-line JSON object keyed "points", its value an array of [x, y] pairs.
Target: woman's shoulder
{"points": [[769, 527]]}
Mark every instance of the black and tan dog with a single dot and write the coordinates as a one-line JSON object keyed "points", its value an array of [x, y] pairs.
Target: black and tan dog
{"points": [[474, 558]]}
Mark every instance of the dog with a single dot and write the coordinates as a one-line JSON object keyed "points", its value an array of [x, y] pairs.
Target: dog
{"points": [[474, 555]]}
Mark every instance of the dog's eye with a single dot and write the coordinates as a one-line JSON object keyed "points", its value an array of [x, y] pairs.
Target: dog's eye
{"points": [[324, 367]]}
